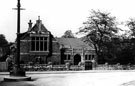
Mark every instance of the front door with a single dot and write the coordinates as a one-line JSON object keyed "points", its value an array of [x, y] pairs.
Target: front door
{"points": [[77, 59]]}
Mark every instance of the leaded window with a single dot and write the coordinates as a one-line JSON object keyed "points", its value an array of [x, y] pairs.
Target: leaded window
{"points": [[88, 57], [39, 43], [67, 57]]}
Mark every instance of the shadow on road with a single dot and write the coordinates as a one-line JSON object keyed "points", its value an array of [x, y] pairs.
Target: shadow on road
{"points": [[18, 83]]}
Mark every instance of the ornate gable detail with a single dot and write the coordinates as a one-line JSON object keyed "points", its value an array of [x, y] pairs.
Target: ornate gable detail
{"points": [[39, 28]]}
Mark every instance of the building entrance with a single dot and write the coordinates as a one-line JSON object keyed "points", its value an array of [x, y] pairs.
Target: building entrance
{"points": [[77, 59]]}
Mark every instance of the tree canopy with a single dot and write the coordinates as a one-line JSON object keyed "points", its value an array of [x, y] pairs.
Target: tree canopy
{"points": [[131, 25], [100, 28], [68, 34], [3, 40], [4, 48]]}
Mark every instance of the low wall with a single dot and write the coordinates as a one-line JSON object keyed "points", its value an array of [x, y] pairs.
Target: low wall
{"points": [[3, 66], [115, 67]]}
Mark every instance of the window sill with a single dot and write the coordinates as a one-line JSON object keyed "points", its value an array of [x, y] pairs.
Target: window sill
{"points": [[38, 51]]}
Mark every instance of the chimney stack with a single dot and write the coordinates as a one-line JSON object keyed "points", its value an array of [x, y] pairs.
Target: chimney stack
{"points": [[30, 25]]}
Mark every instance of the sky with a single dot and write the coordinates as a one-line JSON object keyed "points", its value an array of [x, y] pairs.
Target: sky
{"points": [[59, 15]]}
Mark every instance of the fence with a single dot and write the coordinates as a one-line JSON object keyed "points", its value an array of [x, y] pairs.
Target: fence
{"points": [[3, 66]]}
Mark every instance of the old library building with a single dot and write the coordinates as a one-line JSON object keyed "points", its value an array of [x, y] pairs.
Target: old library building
{"points": [[38, 45]]}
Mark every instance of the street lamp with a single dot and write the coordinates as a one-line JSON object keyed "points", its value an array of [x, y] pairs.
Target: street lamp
{"points": [[17, 71]]}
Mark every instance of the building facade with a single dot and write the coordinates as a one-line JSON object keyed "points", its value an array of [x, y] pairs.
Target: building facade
{"points": [[38, 45]]}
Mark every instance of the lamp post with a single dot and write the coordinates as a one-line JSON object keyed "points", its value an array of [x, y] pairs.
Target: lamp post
{"points": [[18, 35], [17, 74], [17, 71]]}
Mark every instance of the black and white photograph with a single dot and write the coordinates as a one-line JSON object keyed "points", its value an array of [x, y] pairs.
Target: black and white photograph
{"points": [[67, 43]]}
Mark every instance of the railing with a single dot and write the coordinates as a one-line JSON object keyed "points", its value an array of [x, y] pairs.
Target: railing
{"points": [[45, 67]]}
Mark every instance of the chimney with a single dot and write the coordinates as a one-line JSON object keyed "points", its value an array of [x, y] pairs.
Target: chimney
{"points": [[39, 23], [30, 25]]}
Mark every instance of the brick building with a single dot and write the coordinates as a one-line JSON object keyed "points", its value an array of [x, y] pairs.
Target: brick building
{"points": [[38, 45]]}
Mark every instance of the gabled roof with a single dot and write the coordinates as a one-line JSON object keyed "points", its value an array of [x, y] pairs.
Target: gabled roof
{"points": [[38, 28], [75, 43]]}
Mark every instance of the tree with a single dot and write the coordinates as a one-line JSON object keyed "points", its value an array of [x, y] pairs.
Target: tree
{"points": [[3, 40], [131, 49], [4, 48], [131, 25], [68, 34], [100, 28]]}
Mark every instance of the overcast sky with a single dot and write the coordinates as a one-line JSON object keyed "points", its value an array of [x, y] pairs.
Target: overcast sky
{"points": [[59, 15]]}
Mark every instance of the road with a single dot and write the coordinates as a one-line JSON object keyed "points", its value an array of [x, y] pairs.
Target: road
{"points": [[113, 78]]}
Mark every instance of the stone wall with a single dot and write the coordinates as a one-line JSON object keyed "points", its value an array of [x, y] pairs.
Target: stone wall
{"points": [[56, 60], [24, 46], [55, 47], [3, 66]]}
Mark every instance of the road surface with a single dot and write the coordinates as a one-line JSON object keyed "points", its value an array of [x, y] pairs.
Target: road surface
{"points": [[113, 78]]}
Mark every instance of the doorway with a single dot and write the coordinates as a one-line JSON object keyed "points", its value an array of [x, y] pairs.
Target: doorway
{"points": [[77, 59]]}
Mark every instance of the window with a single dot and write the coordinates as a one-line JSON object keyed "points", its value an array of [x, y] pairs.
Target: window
{"points": [[45, 44], [64, 57], [33, 43], [93, 56], [39, 43], [87, 57], [67, 57]]}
